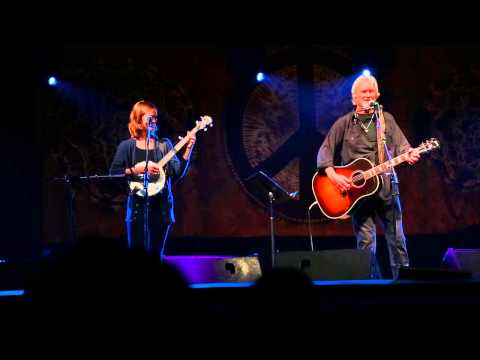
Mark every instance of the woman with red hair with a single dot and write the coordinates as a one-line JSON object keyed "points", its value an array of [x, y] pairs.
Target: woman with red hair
{"points": [[130, 159]]}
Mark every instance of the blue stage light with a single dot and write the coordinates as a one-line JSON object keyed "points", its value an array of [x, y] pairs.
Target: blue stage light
{"points": [[52, 81], [260, 77], [366, 72]]}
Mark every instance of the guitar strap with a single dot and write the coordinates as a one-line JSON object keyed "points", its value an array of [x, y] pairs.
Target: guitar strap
{"points": [[381, 136]]}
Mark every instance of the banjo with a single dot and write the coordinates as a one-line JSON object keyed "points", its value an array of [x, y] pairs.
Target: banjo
{"points": [[156, 183]]}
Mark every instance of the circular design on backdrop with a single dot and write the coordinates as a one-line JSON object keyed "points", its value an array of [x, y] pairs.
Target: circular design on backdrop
{"points": [[278, 125]]}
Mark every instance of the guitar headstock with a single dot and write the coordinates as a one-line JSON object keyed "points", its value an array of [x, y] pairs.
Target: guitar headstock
{"points": [[204, 123], [429, 145]]}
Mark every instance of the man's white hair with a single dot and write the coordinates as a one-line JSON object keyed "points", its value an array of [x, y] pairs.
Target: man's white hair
{"points": [[368, 78]]}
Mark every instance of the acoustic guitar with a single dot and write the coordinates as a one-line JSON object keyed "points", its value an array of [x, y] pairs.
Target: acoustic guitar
{"points": [[335, 204], [156, 183]]}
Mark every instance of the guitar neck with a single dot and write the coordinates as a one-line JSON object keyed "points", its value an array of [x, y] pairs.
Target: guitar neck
{"points": [[175, 149], [387, 165]]}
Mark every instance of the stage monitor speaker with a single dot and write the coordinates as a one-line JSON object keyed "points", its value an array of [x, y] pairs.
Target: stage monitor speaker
{"points": [[338, 264], [464, 260], [210, 269]]}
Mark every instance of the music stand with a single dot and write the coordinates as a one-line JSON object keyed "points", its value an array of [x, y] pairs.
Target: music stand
{"points": [[272, 192], [70, 197]]}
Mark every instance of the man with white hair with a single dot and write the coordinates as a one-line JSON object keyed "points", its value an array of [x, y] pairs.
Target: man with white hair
{"points": [[352, 136]]}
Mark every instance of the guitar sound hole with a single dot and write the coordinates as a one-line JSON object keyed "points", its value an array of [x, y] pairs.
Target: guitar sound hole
{"points": [[358, 180]]}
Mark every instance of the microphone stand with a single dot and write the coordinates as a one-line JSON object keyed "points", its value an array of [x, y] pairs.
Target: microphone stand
{"points": [[271, 199], [70, 201], [146, 207], [274, 194], [393, 175]]}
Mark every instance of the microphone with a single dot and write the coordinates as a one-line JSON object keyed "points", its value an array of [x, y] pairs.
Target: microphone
{"points": [[149, 118], [374, 104], [152, 130]]}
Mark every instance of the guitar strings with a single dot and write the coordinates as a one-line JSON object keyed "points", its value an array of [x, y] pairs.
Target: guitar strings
{"points": [[422, 148]]}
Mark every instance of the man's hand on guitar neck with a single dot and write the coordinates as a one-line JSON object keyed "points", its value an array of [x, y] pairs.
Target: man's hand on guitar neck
{"points": [[412, 156], [341, 182]]}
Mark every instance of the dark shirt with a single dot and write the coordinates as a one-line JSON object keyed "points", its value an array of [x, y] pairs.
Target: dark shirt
{"points": [[367, 123], [347, 141], [141, 155], [126, 156]]}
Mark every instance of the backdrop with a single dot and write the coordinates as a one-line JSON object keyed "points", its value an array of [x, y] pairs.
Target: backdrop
{"points": [[275, 126]]}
